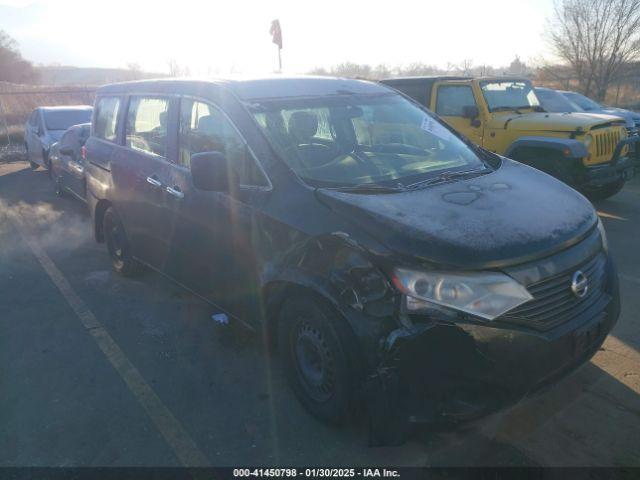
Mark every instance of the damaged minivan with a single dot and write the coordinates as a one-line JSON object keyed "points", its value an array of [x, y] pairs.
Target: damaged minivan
{"points": [[399, 268]]}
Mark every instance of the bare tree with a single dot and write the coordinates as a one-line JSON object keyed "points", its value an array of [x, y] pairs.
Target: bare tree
{"points": [[174, 68], [596, 38], [13, 68]]}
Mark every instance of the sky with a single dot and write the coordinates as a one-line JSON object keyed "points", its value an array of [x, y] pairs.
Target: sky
{"points": [[232, 36]]}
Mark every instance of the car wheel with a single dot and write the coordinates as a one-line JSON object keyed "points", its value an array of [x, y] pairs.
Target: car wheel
{"points": [[59, 187], [316, 348], [118, 245], [47, 164], [604, 192], [34, 165]]}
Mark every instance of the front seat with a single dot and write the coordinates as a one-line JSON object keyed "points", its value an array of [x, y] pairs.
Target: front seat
{"points": [[302, 127]]}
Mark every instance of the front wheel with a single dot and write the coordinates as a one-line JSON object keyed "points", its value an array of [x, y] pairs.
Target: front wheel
{"points": [[118, 246], [317, 348], [604, 192], [32, 164]]}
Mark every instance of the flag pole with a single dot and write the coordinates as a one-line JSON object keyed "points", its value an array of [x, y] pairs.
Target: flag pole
{"points": [[279, 60]]}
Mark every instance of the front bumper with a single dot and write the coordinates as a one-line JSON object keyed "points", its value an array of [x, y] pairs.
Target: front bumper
{"points": [[600, 175], [463, 370], [618, 168]]}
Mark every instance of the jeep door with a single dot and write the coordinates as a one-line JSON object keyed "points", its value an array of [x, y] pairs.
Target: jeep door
{"points": [[212, 232], [454, 103], [139, 169]]}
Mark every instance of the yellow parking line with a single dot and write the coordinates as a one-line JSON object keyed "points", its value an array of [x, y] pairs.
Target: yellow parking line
{"points": [[173, 432]]}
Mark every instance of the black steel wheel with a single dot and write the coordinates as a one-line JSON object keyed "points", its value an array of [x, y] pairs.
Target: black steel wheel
{"points": [[318, 352], [117, 245]]}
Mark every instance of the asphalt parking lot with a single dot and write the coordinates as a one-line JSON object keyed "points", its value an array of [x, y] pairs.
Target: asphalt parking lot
{"points": [[98, 370]]}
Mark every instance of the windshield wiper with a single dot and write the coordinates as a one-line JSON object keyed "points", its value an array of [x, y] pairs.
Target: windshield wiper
{"points": [[369, 188], [448, 176], [505, 108]]}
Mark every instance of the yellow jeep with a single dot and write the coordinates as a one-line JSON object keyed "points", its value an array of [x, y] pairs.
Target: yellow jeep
{"points": [[503, 115]]}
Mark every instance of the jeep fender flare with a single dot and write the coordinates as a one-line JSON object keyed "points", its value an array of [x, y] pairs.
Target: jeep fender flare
{"points": [[575, 148]]}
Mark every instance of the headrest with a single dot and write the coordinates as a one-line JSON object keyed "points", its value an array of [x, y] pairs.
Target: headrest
{"points": [[303, 126], [208, 125]]}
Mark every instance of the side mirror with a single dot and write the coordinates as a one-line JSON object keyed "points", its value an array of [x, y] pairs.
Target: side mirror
{"points": [[470, 112], [68, 151], [210, 171]]}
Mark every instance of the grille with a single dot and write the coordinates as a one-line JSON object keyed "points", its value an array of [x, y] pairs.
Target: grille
{"points": [[604, 145], [553, 301]]}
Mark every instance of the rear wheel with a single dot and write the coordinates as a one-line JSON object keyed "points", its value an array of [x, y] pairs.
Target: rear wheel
{"points": [[118, 246], [58, 185], [32, 164], [604, 192], [47, 163], [315, 345]]}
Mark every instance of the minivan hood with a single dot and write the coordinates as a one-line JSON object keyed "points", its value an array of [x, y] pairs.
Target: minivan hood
{"points": [[512, 215], [556, 122], [630, 117]]}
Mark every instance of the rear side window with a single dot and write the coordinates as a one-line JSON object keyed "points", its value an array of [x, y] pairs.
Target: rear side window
{"points": [[204, 128], [68, 139], [106, 118], [417, 91], [147, 125], [452, 99]]}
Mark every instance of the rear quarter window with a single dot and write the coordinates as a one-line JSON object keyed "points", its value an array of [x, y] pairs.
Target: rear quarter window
{"points": [[106, 118]]}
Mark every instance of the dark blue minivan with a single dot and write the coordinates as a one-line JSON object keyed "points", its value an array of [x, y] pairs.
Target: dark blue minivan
{"points": [[400, 269]]}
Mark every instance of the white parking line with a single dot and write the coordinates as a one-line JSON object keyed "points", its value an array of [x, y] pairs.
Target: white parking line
{"points": [[171, 429]]}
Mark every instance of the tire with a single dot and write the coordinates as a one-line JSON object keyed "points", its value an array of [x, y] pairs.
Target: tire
{"points": [[604, 192], [32, 164], [547, 162], [316, 347], [118, 246], [59, 187], [47, 164]]}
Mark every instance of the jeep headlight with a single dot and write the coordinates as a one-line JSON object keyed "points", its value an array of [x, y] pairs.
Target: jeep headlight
{"points": [[603, 236], [587, 140], [485, 294]]}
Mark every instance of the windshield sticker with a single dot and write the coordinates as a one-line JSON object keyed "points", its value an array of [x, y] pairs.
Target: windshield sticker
{"points": [[432, 126]]}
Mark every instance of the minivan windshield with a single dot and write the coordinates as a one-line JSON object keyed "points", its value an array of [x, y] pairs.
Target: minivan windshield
{"points": [[509, 94], [555, 102], [63, 119], [584, 102], [354, 140]]}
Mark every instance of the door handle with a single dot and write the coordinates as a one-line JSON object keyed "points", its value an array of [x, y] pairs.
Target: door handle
{"points": [[154, 181], [77, 168], [175, 192]]}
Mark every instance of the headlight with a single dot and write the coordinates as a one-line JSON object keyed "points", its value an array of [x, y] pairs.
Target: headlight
{"points": [[603, 236], [485, 294], [587, 140]]}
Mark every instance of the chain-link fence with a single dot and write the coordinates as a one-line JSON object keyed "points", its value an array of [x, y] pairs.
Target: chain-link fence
{"points": [[17, 104]]}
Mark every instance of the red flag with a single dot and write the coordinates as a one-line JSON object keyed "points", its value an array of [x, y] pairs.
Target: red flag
{"points": [[276, 33]]}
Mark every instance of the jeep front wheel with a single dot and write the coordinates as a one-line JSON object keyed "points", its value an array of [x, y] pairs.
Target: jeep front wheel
{"points": [[597, 194]]}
